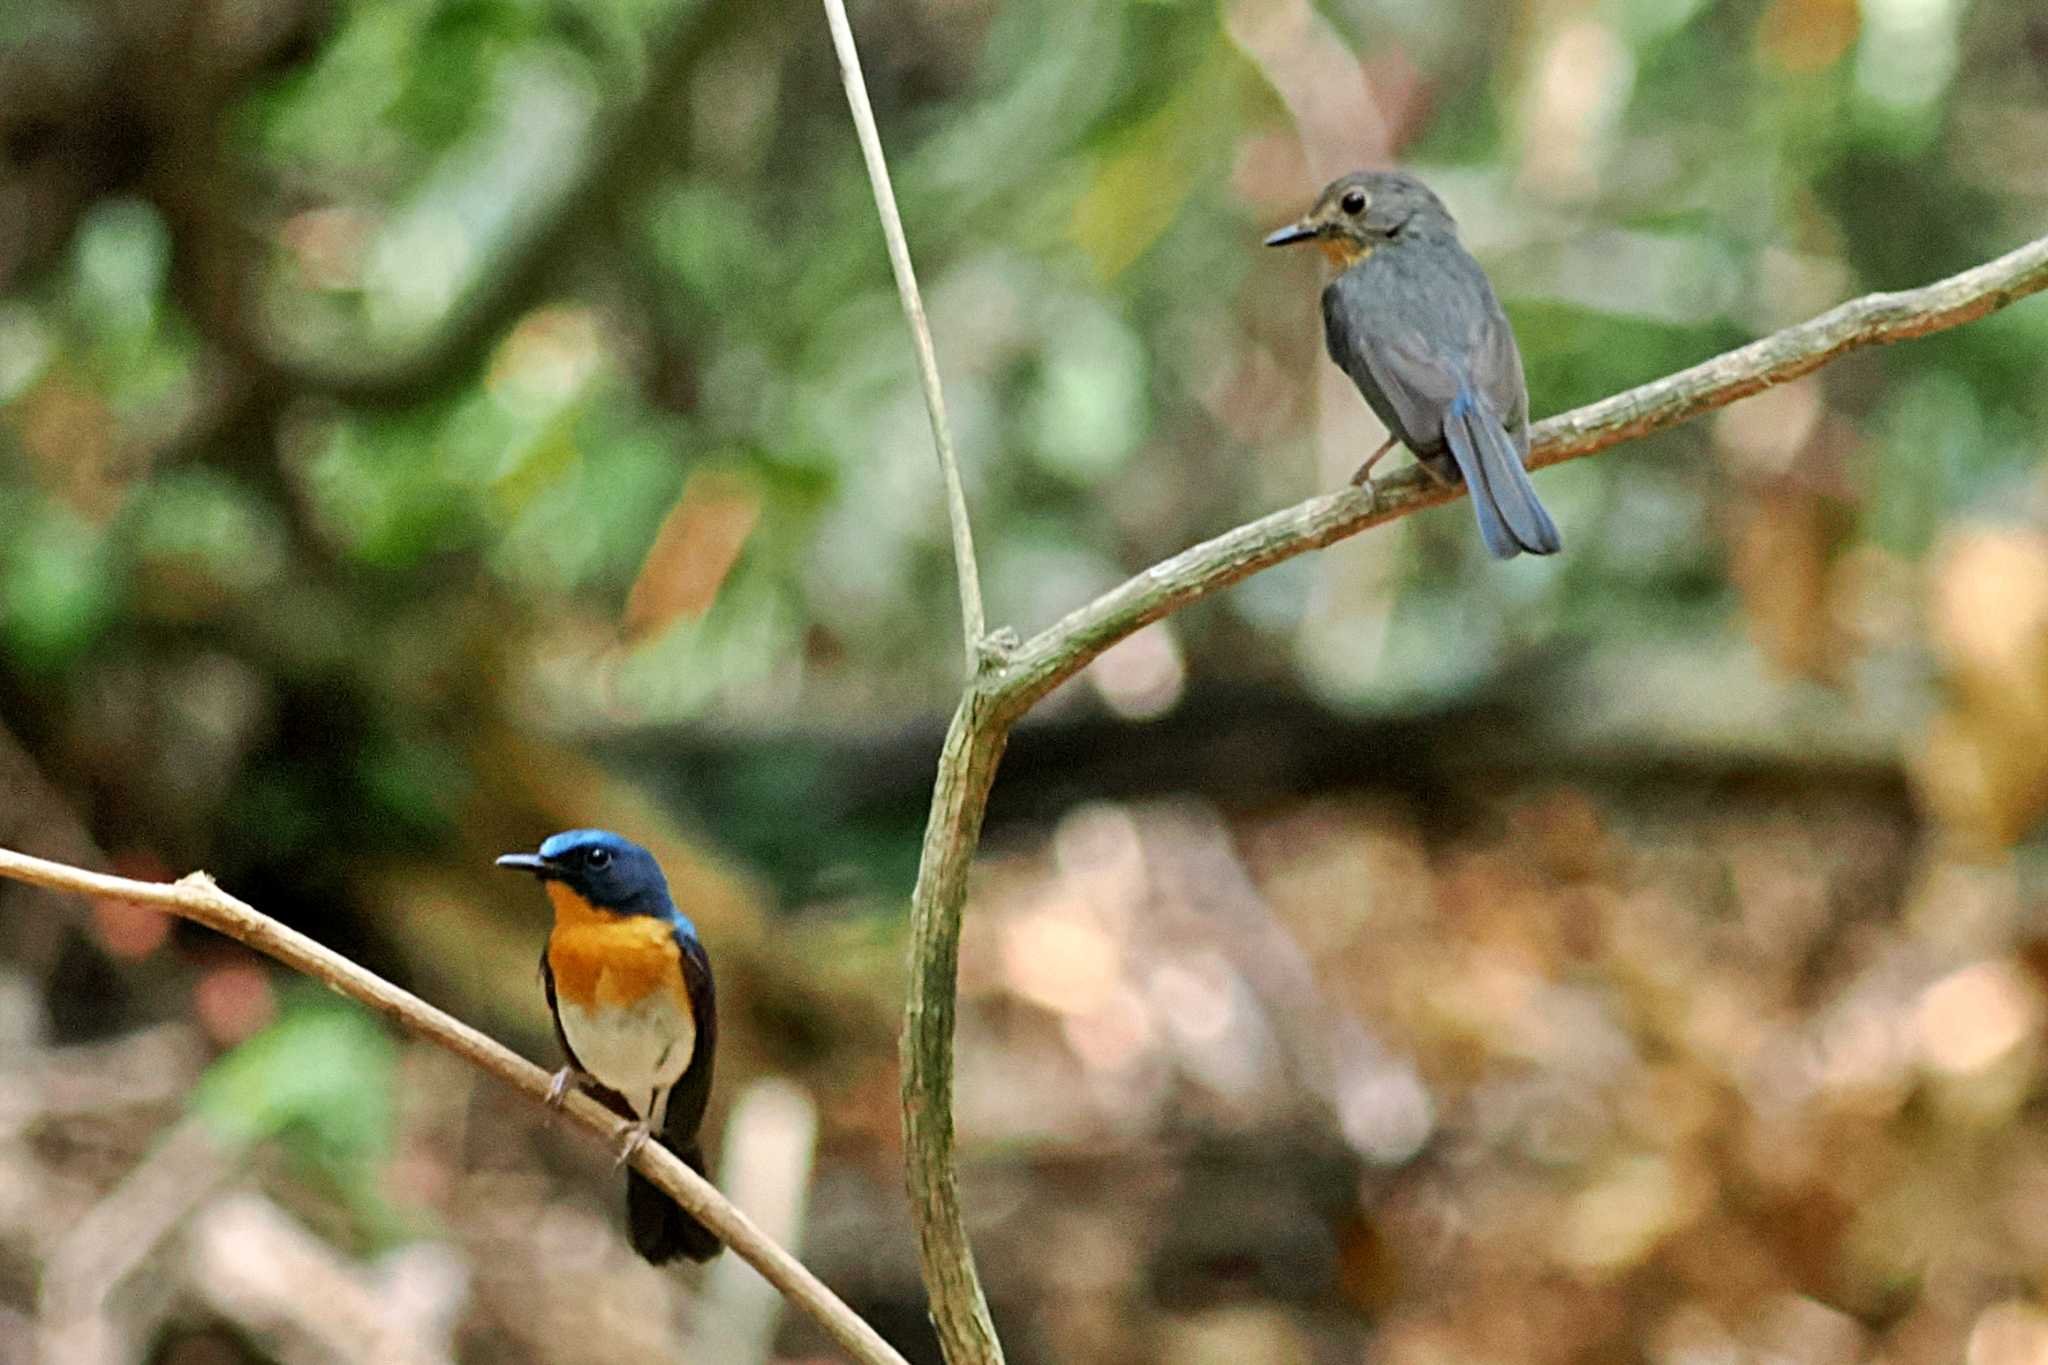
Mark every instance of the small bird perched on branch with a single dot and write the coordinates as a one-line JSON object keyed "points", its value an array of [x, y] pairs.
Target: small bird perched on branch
{"points": [[1411, 318], [629, 987]]}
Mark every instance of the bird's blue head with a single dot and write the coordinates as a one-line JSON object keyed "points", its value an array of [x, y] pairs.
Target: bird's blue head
{"points": [[605, 870]]}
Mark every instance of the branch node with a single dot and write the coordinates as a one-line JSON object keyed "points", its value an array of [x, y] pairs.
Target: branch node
{"points": [[993, 651]]}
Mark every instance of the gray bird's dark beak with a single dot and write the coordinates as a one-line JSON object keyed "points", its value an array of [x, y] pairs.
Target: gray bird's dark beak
{"points": [[528, 862], [1292, 233]]}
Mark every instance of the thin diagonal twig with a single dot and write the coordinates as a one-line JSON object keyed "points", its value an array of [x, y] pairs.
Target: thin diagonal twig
{"points": [[964, 567], [198, 899]]}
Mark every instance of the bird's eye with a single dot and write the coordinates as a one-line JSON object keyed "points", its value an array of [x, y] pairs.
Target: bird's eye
{"points": [[598, 859], [1353, 202]]}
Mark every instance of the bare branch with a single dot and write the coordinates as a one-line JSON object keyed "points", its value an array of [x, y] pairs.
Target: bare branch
{"points": [[198, 899], [1064, 648], [964, 566]]}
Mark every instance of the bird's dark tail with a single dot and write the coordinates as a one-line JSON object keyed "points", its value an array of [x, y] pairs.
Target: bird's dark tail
{"points": [[1511, 520], [660, 1228]]}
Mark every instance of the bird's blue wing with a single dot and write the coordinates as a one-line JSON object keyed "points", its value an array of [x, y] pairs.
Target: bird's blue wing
{"points": [[661, 1229], [692, 1092]]}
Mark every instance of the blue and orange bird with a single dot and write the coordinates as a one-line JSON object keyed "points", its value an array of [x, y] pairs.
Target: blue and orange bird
{"points": [[629, 987]]}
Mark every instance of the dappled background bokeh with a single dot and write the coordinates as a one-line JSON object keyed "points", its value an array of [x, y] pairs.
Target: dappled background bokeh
{"points": [[425, 424]]}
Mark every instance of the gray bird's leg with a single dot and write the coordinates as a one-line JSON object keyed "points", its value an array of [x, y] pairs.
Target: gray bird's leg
{"points": [[1363, 478], [1434, 469]]}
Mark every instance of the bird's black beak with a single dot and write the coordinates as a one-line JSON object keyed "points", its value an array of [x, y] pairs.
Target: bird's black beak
{"points": [[529, 862], [1292, 233]]}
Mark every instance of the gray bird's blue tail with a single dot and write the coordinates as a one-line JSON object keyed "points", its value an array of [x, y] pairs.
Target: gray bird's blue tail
{"points": [[1511, 520]]}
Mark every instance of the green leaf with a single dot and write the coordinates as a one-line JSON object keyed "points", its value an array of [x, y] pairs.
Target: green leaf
{"points": [[321, 1077], [56, 587]]}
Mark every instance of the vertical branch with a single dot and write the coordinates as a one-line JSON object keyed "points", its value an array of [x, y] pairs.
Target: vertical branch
{"points": [[1006, 678], [967, 768], [964, 566]]}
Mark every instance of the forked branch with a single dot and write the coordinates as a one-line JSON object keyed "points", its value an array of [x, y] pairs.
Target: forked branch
{"points": [[1008, 688]]}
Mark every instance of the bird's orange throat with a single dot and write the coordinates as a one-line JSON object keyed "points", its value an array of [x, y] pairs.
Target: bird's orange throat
{"points": [[605, 960], [572, 908], [1342, 251]]}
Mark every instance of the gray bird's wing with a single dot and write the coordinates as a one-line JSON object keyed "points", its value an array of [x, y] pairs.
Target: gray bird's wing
{"points": [[1408, 381], [1499, 371], [1401, 381]]}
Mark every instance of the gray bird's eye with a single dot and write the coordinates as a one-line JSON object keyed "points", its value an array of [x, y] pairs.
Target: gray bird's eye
{"points": [[598, 859], [1353, 202]]}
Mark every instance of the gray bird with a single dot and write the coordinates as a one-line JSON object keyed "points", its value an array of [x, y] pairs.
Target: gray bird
{"points": [[1411, 318]]}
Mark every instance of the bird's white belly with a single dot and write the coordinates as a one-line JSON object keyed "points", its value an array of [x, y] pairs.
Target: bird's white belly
{"points": [[638, 1050]]}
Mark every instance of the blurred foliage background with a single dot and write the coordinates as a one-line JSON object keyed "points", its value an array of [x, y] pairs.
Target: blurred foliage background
{"points": [[429, 423]]}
